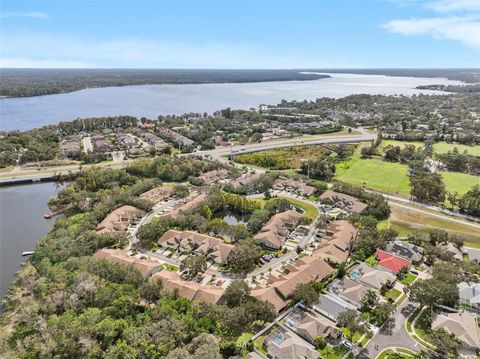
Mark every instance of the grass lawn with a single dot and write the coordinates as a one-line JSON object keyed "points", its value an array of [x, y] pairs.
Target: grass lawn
{"points": [[388, 352], [459, 182], [375, 174], [444, 147], [420, 328], [393, 294], [371, 260], [409, 278], [392, 177], [260, 344], [383, 224], [330, 352], [411, 318], [310, 211], [171, 267], [439, 147]]}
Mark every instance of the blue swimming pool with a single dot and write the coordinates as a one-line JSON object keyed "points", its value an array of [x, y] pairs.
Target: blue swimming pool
{"points": [[355, 275]]}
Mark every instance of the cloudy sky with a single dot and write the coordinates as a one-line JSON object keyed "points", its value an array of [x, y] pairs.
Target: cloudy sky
{"points": [[239, 34]]}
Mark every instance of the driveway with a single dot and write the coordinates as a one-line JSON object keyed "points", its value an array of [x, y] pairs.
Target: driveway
{"points": [[392, 334]]}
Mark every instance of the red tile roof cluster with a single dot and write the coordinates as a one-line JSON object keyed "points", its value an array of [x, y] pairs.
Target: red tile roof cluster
{"points": [[391, 262]]}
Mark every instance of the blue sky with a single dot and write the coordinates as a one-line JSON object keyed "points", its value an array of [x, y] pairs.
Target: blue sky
{"points": [[240, 34]]}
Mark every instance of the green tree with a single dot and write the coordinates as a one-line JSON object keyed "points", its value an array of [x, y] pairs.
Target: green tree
{"points": [[193, 265], [236, 293], [243, 258], [446, 343], [306, 293]]}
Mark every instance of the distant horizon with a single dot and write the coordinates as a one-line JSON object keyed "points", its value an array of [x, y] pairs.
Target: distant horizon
{"points": [[240, 69]]}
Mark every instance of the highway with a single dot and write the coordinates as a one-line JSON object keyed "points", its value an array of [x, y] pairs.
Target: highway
{"points": [[31, 174]]}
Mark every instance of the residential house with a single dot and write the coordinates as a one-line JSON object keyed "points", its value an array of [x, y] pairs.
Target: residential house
{"points": [[310, 325], [70, 148], [332, 305], [118, 220], [344, 201], [406, 250], [289, 346], [192, 203], [390, 261], [103, 145], [274, 233], [246, 179], [145, 266], [211, 177], [371, 277], [157, 194], [175, 137], [469, 294], [463, 325], [335, 246], [192, 242], [283, 183], [450, 247], [304, 270], [188, 289], [349, 290]]}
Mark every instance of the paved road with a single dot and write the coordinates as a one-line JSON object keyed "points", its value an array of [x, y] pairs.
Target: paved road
{"points": [[392, 334], [87, 144]]}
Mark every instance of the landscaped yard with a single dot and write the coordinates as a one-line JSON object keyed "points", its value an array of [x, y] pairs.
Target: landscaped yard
{"points": [[330, 352], [310, 211], [409, 278], [171, 267], [372, 261], [393, 294]]}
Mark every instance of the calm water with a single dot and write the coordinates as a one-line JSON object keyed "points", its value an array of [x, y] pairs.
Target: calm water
{"points": [[153, 100], [21, 224]]}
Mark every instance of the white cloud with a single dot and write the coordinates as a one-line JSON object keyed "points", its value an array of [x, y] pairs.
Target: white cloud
{"points": [[65, 51], [32, 15], [445, 6], [463, 29]]}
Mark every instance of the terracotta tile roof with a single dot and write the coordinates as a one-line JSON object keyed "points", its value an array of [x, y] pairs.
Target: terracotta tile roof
{"points": [[346, 202], [269, 294], [213, 176], [189, 205], [157, 194], [187, 289], [121, 257], [215, 248], [336, 245], [391, 262], [118, 220], [245, 180], [274, 233]]}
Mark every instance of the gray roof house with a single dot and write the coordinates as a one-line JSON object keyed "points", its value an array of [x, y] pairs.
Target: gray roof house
{"points": [[469, 294], [406, 250], [331, 306]]}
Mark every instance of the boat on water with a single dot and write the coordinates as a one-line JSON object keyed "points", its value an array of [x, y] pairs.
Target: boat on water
{"points": [[27, 253]]}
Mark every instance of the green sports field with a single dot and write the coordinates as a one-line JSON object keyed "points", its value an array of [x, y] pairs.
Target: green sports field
{"points": [[439, 147], [393, 177]]}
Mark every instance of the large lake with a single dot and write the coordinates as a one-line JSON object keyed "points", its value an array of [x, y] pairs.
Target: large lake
{"points": [[21, 225], [153, 100]]}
